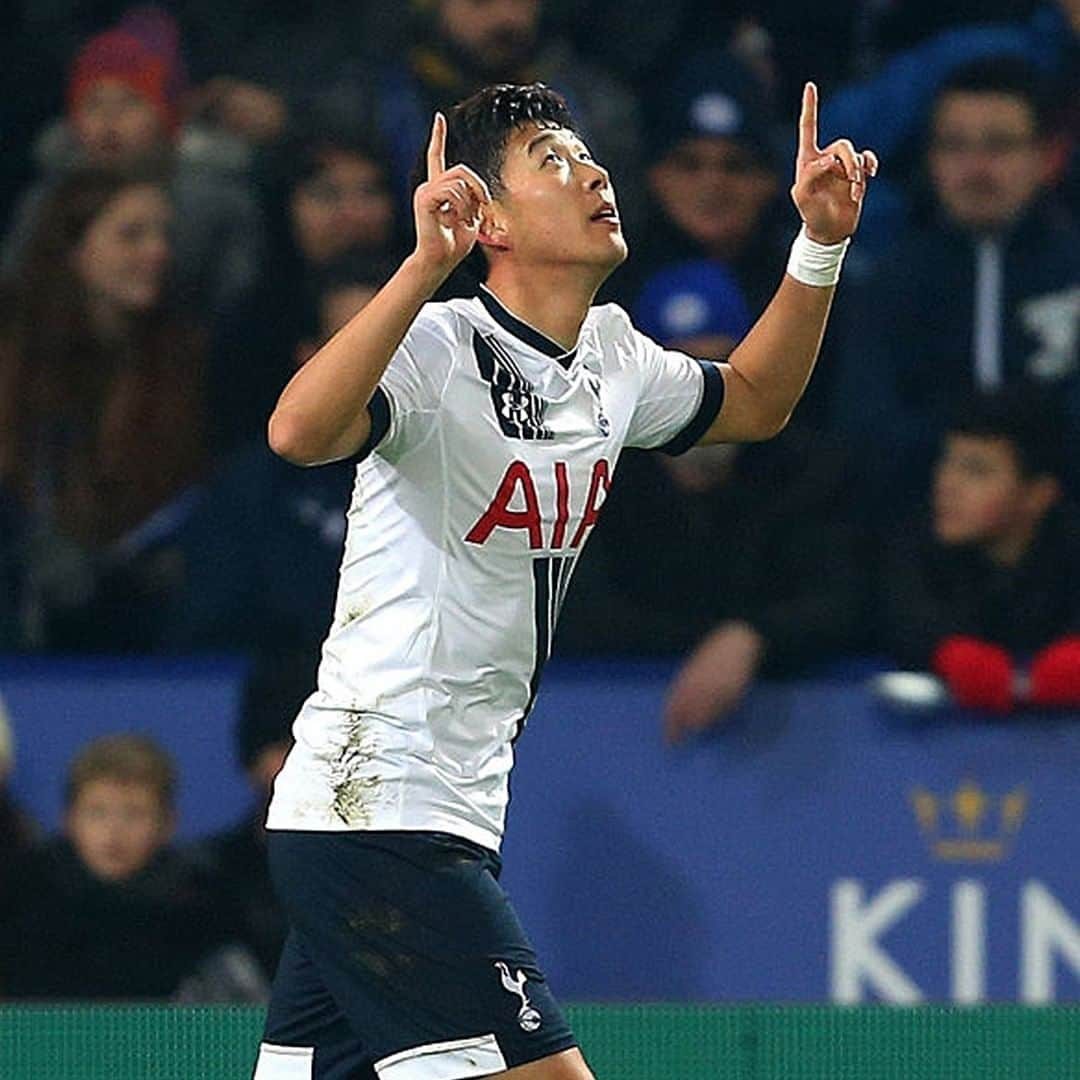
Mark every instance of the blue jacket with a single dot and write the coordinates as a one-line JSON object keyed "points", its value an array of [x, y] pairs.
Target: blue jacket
{"points": [[906, 343]]}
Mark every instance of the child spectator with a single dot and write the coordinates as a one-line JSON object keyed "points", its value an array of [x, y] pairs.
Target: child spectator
{"points": [[108, 910], [988, 594], [101, 413]]}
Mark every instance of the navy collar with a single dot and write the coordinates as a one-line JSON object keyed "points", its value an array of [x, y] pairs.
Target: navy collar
{"points": [[523, 331]]}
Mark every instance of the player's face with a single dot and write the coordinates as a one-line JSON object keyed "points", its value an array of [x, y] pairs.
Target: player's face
{"points": [[714, 190], [345, 205], [124, 254], [986, 161], [116, 827], [980, 495], [115, 125], [558, 206]]}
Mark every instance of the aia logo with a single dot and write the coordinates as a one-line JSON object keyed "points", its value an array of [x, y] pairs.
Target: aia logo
{"points": [[518, 486]]}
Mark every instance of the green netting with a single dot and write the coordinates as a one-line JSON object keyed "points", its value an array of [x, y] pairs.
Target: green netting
{"points": [[622, 1042]]}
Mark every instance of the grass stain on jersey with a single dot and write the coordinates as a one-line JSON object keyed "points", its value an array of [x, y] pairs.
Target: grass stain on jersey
{"points": [[354, 789], [356, 610]]}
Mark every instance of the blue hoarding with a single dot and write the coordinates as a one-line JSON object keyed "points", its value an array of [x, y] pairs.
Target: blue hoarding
{"points": [[816, 847]]}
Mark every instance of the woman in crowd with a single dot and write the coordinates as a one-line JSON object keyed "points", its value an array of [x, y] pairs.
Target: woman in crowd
{"points": [[101, 402], [326, 197]]}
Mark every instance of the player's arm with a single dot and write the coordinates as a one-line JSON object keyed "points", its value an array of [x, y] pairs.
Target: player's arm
{"points": [[322, 414], [766, 374]]}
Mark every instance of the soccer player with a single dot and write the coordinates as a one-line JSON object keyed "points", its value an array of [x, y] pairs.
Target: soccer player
{"points": [[486, 433]]}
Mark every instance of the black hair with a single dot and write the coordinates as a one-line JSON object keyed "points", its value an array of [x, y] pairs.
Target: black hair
{"points": [[1023, 415], [1002, 74], [478, 129]]}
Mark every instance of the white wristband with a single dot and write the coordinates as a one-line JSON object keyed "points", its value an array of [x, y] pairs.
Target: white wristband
{"points": [[813, 263]]}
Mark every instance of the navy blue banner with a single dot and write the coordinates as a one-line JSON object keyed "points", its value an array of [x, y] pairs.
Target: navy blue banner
{"points": [[190, 706], [817, 847]]}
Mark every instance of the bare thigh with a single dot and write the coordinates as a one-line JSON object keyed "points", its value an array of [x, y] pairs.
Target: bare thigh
{"points": [[567, 1065]]}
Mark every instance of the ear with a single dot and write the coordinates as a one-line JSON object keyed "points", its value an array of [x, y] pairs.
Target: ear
{"points": [[494, 232]]}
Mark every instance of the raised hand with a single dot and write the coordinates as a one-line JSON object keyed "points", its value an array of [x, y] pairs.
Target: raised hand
{"points": [[447, 206], [830, 183]]}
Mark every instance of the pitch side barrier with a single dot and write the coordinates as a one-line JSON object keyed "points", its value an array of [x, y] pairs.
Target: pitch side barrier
{"points": [[816, 847], [622, 1042]]}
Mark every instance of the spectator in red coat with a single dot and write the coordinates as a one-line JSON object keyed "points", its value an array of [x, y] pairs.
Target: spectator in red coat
{"points": [[987, 594]]}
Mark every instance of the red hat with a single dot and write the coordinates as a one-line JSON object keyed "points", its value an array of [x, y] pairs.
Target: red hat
{"points": [[122, 57]]}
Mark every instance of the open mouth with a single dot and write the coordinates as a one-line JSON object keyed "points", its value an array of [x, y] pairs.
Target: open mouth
{"points": [[605, 213]]}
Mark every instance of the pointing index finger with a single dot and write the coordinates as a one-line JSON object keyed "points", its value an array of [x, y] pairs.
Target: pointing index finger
{"points": [[436, 151], [808, 133]]}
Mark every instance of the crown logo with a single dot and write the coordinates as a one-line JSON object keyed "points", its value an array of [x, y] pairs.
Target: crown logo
{"points": [[969, 825]]}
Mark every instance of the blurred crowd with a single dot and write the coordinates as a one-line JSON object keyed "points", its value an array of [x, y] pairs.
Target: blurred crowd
{"points": [[194, 196]]}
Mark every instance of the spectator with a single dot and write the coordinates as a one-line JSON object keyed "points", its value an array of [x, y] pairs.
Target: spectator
{"points": [[261, 514], [101, 433], [236, 858], [258, 64], [109, 910], [697, 303], [894, 104], [989, 293], [124, 110], [744, 560], [713, 180], [326, 195], [465, 44], [988, 592]]}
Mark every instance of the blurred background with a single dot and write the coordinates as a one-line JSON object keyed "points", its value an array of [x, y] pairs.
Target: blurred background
{"points": [[810, 733]]}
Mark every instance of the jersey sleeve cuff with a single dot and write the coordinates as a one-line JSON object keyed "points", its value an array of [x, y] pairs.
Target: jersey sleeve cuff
{"points": [[379, 411], [712, 398]]}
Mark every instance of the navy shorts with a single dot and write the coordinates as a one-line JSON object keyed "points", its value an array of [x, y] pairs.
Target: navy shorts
{"points": [[405, 961]]}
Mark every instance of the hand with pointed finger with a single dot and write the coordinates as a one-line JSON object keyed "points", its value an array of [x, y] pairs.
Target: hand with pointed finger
{"points": [[830, 183], [446, 207]]}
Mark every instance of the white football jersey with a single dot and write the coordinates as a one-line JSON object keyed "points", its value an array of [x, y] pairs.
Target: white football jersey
{"points": [[492, 450]]}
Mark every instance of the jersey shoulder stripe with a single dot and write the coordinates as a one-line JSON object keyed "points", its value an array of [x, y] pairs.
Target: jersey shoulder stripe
{"points": [[712, 399]]}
